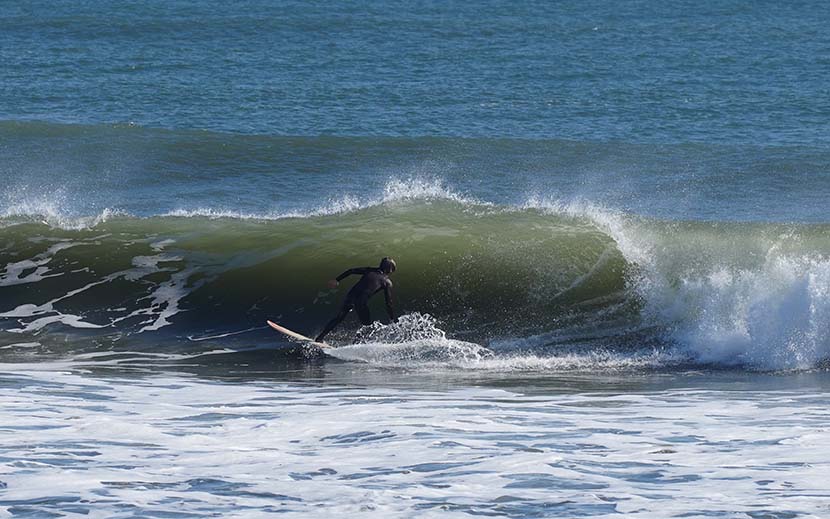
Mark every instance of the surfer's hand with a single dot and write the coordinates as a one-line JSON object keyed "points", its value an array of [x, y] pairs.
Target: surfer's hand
{"points": [[333, 283]]}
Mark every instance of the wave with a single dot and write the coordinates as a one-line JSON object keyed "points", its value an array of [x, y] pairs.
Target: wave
{"points": [[50, 210], [397, 190], [71, 173], [559, 282]]}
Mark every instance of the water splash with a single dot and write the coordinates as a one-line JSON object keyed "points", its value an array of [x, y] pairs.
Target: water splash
{"points": [[413, 341]]}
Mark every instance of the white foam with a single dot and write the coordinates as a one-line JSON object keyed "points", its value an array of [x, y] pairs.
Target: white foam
{"points": [[162, 244], [11, 275], [451, 355], [31, 310], [177, 445], [20, 345], [415, 342], [776, 316], [67, 319], [28, 310], [165, 299], [50, 211], [418, 354]]}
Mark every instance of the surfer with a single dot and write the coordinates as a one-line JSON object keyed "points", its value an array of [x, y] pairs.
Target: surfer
{"points": [[373, 280]]}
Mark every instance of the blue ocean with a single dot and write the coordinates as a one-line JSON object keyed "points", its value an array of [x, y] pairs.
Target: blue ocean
{"points": [[609, 219]]}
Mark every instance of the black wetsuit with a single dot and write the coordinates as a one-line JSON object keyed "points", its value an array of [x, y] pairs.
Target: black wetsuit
{"points": [[372, 282]]}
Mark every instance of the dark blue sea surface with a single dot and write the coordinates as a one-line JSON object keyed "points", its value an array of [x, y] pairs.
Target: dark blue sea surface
{"points": [[717, 72]]}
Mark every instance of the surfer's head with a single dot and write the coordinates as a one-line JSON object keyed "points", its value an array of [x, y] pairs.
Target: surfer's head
{"points": [[387, 265]]}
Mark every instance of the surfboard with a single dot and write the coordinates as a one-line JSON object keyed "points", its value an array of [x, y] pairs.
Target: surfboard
{"points": [[298, 336]]}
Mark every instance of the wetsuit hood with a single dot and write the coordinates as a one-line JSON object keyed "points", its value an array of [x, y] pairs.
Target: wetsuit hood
{"points": [[388, 265]]}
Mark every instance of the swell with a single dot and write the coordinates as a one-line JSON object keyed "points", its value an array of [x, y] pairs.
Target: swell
{"points": [[532, 280], [74, 171]]}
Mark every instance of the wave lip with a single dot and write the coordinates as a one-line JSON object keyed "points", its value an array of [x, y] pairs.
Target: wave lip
{"points": [[50, 212], [411, 189], [55, 212]]}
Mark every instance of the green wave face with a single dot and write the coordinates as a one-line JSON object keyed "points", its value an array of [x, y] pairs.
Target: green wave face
{"points": [[481, 270]]}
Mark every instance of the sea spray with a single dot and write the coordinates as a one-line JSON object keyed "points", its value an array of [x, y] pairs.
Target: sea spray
{"points": [[412, 341]]}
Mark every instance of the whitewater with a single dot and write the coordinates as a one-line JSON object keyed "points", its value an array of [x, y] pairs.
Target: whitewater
{"points": [[163, 446]]}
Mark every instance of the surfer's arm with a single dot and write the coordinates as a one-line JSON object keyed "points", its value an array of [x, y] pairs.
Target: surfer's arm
{"points": [[387, 293], [359, 271]]}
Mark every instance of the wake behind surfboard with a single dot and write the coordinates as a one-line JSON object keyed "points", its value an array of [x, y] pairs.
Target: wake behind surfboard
{"points": [[298, 336]]}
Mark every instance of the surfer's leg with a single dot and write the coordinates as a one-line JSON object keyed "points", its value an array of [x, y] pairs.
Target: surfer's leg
{"points": [[334, 322], [363, 313]]}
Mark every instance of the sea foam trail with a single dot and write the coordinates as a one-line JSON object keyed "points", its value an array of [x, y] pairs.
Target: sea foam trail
{"points": [[416, 342]]}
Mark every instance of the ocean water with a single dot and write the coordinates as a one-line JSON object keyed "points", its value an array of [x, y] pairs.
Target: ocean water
{"points": [[609, 220]]}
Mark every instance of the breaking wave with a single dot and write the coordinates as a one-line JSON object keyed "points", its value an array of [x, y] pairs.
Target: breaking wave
{"points": [[563, 283]]}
